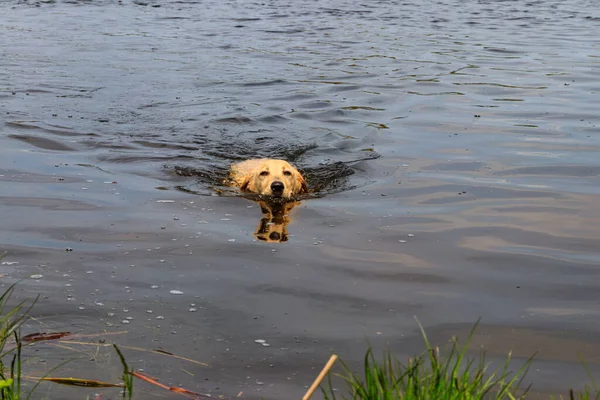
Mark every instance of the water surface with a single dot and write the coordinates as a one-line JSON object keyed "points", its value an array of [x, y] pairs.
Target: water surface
{"points": [[453, 146]]}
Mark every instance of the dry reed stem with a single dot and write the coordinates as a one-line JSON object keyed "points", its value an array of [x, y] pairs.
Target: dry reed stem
{"points": [[319, 379], [156, 351]]}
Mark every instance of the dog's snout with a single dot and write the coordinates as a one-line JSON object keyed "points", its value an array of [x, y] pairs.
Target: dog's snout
{"points": [[277, 186]]}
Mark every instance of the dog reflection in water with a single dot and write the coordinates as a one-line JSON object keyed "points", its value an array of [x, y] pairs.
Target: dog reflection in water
{"points": [[277, 183], [273, 225]]}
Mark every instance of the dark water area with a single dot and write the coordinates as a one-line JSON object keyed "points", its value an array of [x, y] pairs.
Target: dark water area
{"points": [[452, 148]]}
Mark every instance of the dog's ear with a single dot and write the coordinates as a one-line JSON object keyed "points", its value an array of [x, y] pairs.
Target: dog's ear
{"points": [[247, 185], [301, 183]]}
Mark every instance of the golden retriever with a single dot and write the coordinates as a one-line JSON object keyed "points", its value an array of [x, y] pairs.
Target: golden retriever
{"points": [[276, 178]]}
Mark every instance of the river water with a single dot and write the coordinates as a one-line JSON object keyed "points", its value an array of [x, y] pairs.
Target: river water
{"points": [[452, 147]]}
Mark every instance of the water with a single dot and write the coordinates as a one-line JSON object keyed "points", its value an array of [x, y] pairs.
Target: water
{"points": [[451, 147]]}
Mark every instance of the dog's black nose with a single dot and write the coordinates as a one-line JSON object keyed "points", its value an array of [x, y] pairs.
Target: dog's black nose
{"points": [[277, 186]]}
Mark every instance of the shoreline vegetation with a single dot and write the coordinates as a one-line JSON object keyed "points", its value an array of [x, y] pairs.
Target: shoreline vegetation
{"points": [[450, 374]]}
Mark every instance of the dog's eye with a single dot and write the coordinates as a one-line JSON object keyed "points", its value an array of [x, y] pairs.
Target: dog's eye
{"points": [[287, 173], [264, 173]]}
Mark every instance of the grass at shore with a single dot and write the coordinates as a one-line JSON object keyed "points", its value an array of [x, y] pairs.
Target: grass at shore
{"points": [[453, 376], [11, 320], [433, 376]]}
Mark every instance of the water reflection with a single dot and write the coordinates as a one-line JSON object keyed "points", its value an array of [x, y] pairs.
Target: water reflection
{"points": [[273, 225]]}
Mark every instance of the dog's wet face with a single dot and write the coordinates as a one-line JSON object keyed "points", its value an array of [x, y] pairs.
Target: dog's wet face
{"points": [[278, 178]]}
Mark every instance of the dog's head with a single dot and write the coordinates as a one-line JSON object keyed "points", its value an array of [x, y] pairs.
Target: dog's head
{"points": [[276, 178]]}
